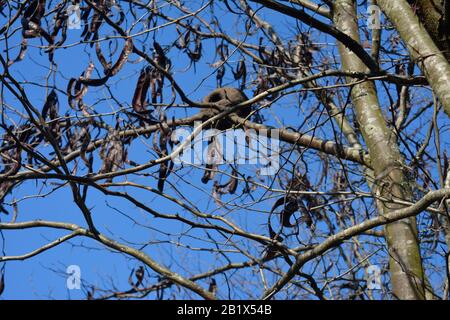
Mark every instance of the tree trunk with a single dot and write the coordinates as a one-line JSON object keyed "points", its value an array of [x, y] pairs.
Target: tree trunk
{"points": [[405, 262], [421, 46], [433, 14]]}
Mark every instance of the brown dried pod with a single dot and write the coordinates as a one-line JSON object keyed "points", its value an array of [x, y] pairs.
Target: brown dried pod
{"points": [[2, 282], [140, 93], [162, 151], [33, 14], [113, 154], [127, 49]]}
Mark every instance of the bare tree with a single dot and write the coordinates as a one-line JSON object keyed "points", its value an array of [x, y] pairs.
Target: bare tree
{"points": [[345, 106]]}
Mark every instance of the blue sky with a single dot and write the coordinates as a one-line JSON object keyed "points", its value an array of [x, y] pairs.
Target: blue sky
{"points": [[43, 276]]}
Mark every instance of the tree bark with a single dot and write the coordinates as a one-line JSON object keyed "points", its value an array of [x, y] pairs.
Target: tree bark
{"points": [[421, 46], [433, 14], [405, 263]]}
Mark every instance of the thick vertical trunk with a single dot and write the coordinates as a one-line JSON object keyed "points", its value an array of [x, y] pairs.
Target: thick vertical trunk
{"points": [[433, 14], [421, 47], [405, 261]]}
